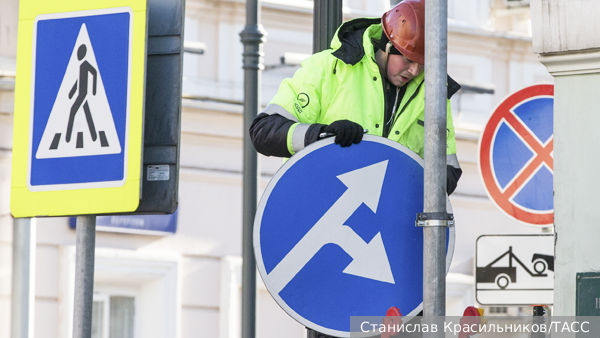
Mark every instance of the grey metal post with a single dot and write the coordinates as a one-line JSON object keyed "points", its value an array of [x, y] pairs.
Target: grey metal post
{"points": [[23, 278], [85, 244], [253, 37], [434, 237], [327, 17]]}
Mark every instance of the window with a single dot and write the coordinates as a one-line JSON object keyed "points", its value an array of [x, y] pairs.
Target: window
{"points": [[113, 316], [132, 290]]}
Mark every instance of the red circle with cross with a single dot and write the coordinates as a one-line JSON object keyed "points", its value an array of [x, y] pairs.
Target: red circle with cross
{"points": [[542, 156]]}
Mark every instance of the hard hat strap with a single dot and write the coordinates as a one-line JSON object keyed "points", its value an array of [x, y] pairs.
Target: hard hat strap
{"points": [[388, 46]]}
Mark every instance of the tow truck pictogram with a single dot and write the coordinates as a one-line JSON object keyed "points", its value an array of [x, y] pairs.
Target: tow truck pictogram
{"points": [[503, 276]]}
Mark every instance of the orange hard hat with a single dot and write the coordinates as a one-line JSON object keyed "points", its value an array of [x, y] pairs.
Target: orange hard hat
{"points": [[404, 25]]}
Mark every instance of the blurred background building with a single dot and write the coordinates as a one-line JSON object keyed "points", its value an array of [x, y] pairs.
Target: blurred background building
{"points": [[187, 283]]}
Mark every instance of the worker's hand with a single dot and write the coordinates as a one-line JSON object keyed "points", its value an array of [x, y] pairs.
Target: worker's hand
{"points": [[346, 132]]}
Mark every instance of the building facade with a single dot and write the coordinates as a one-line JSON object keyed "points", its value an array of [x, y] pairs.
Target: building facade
{"points": [[188, 284]]}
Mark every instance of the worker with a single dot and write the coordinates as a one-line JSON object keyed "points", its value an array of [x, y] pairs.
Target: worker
{"points": [[371, 79]]}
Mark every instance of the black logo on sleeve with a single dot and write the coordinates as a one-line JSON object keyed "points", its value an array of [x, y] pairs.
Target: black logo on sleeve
{"points": [[303, 99]]}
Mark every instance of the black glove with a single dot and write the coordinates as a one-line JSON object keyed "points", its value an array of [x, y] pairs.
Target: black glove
{"points": [[452, 177], [346, 132]]}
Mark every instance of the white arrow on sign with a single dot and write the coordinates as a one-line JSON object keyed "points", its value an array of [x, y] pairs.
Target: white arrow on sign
{"points": [[369, 260]]}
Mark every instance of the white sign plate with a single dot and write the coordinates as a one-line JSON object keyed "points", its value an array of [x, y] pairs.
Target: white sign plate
{"points": [[514, 269]]}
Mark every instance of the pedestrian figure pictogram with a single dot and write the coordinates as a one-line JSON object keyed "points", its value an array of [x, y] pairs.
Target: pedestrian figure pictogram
{"points": [[81, 121], [84, 69]]}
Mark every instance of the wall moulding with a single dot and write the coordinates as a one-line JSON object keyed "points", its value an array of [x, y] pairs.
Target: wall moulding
{"points": [[572, 62]]}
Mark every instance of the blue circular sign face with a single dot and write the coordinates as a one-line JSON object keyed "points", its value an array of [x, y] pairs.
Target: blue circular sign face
{"points": [[335, 233]]}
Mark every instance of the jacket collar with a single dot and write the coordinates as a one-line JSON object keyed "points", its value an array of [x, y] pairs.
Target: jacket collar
{"points": [[351, 44]]}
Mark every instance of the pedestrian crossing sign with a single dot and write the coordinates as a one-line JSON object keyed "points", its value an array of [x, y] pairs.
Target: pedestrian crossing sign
{"points": [[78, 108]]}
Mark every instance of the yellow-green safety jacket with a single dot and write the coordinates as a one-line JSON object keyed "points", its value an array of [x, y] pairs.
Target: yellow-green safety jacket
{"points": [[331, 86]]}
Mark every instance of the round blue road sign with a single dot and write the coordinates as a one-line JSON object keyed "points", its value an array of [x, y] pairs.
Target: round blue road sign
{"points": [[335, 235]]}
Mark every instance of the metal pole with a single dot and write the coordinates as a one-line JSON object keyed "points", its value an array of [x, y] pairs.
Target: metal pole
{"points": [[327, 17], [253, 37], [85, 245], [434, 237], [23, 278]]}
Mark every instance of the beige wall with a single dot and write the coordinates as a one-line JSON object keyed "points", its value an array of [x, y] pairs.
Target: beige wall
{"points": [[8, 28], [561, 34]]}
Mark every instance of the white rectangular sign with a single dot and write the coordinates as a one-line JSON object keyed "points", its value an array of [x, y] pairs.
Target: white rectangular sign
{"points": [[514, 269]]}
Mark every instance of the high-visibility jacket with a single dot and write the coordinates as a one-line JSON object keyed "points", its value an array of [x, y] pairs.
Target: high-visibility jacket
{"points": [[344, 83]]}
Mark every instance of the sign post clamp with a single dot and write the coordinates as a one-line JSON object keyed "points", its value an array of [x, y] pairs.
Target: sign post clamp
{"points": [[435, 219]]}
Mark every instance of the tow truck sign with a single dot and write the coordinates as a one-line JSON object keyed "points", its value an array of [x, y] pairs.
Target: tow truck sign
{"points": [[514, 269]]}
